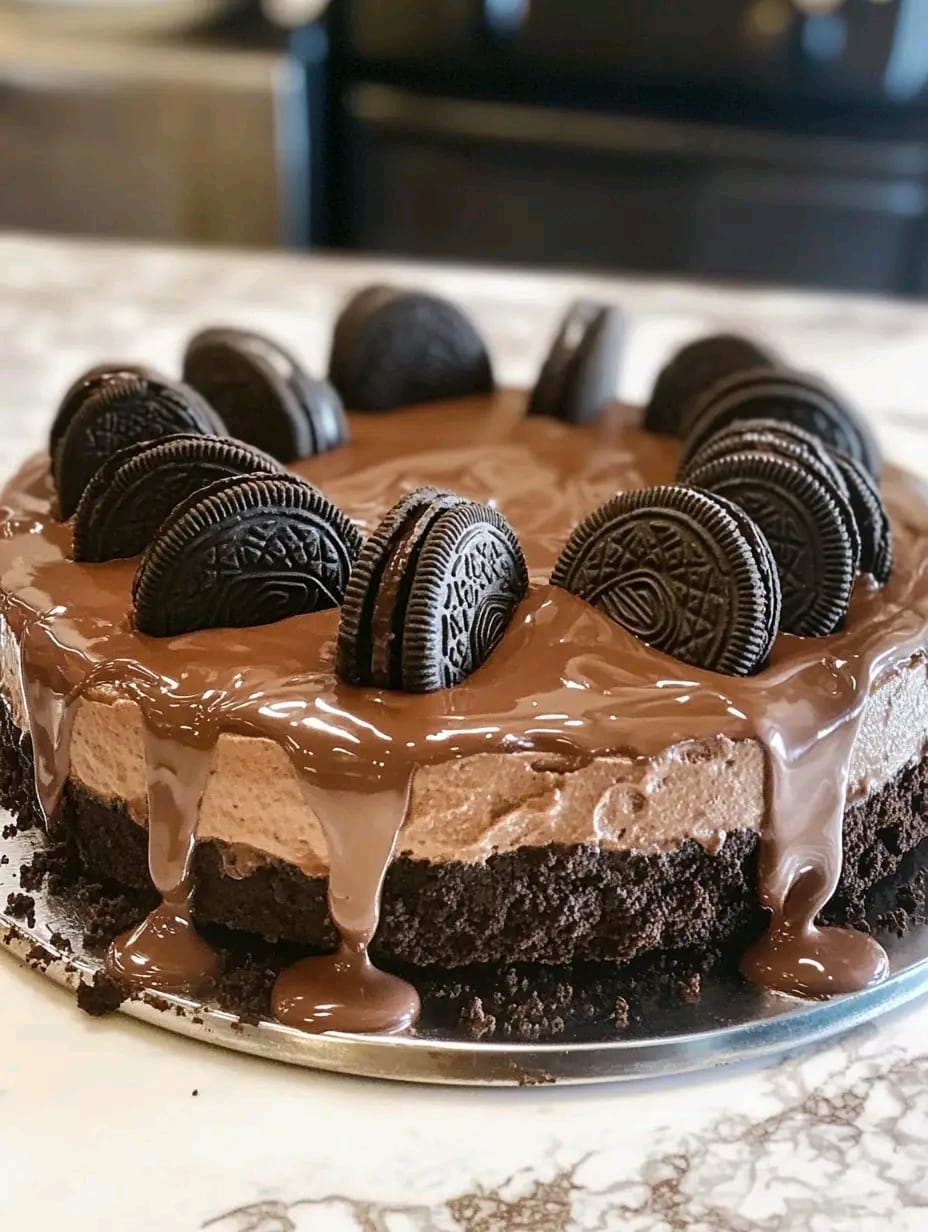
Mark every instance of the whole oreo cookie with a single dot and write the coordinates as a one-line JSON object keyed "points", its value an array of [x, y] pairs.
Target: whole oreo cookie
{"points": [[245, 551], [673, 566], [432, 593], [800, 513], [137, 488], [873, 525], [772, 393], [86, 385], [394, 348], [783, 438], [264, 395], [693, 370], [119, 414], [578, 378]]}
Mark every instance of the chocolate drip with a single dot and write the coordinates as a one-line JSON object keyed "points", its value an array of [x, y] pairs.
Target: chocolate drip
{"points": [[344, 991], [165, 951], [50, 714], [564, 681]]}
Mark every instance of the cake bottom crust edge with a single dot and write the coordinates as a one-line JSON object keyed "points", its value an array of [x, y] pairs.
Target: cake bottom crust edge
{"points": [[551, 905]]}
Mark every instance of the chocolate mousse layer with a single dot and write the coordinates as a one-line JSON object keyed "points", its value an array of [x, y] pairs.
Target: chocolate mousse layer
{"points": [[558, 904]]}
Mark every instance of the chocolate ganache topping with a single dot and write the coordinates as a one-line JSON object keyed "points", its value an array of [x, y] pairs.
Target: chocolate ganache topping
{"points": [[562, 678]]}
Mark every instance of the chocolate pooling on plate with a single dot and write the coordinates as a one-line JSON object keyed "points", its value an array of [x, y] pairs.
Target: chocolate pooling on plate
{"points": [[578, 378], [392, 347], [694, 369], [264, 394], [564, 679]]}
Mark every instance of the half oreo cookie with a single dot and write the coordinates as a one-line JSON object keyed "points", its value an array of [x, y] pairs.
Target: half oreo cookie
{"points": [[86, 385], [122, 413], [769, 436], [247, 550], [578, 378], [764, 435], [804, 517], [675, 568], [693, 370], [394, 348], [264, 395], [873, 525], [772, 393], [133, 492], [432, 593]]}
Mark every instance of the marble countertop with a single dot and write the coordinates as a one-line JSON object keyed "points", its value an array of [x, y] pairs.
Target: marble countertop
{"points": [[108, 1124]]}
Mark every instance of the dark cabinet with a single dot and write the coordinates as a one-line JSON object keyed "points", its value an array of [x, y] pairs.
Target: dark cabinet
{"points": [[509, 183], [769, 140]]}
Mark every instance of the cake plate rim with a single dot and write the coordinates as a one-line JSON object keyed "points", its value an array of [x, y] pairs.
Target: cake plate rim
{"points": [[760, 1026]]}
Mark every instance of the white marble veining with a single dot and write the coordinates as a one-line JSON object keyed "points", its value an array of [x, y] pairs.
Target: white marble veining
{"points": [[99, 1124]]}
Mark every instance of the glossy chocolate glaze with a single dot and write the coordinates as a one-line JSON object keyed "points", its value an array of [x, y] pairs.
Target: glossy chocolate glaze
{"points": [[564, 680]]}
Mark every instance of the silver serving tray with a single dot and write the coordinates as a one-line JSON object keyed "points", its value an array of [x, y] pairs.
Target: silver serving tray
{"points": [[731, 1022]]}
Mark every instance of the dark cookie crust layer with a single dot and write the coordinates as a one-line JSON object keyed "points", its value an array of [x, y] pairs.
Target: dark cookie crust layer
{"points": [[549, 905]]}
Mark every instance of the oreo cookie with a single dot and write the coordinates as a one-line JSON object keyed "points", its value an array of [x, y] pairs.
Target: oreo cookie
{"points": [[264, 395], [86, 385], [766, 564], [578, 378], [394, 348], [247, 550], [122, 413], [693, 370], [133, 492], [764, 435], [674, 567], [873, 525], [787, 440], [771, 393], [800, 513], [431, 595]]}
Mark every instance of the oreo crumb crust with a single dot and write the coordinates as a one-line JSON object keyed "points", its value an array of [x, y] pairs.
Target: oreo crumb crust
{"points": [[245, 551], [775, 393], [394, 348], [84, 387], [264, 395], [800, 514], [122, 413], [693, 370], [134, 491], [655, 923], [873, 525], [578, 378], [431, 594], [673, 567]]}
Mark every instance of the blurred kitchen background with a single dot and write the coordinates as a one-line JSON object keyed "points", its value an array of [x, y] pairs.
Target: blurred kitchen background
{"points": [[781, 141]]}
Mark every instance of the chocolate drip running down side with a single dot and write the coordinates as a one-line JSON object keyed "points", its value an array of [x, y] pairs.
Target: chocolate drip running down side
{"points": [[564, 680]]}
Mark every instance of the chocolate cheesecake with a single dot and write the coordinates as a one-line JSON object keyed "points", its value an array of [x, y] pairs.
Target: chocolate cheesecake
{"points": [[465, 678]]}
